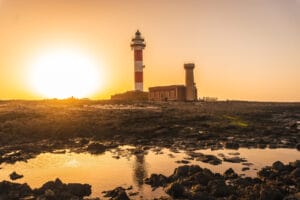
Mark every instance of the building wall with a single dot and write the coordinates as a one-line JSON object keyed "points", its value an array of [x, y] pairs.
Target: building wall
{"points": [[167, 93]]}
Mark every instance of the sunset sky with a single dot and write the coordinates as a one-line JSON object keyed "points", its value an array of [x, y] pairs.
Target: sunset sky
{"points": [[242, 49]]}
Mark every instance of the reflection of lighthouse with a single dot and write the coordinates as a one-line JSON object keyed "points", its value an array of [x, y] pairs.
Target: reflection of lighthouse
{"points": [[140, 171], [138, 45]]}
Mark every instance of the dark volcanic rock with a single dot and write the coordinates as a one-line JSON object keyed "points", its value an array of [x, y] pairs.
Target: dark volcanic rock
{"points": [[9, 190], [15, 176], [59, 190], [230, 174], [175, 190], [211, 159], [235, 159], [79, 190], [218, 188], [298, 146], [232, 145], [96, 148], [118, 193], [156, 180], [295, 173], [278, 166], [268, 193]]}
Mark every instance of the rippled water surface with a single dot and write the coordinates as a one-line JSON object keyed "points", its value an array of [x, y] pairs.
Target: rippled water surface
{"points": [[110, 169]]}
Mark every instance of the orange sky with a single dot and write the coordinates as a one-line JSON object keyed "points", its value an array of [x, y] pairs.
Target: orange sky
{"points": [[247, 50]]}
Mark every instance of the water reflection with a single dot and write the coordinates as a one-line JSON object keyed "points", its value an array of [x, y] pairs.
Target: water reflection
{"points": [[105, 172], [139, 171]]}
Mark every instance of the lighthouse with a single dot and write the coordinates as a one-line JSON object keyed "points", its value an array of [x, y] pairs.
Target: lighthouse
{"points": [[137, 45]]}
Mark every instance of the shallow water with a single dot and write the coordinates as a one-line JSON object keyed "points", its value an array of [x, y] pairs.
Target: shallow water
{"points": [[105, 171]]}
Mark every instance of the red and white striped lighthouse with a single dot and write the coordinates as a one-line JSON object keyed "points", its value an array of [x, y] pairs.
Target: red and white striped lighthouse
{"points": [[137, 44]]}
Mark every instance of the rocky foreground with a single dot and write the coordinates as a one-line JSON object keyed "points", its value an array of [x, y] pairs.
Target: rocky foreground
{"points": [[276, 182], [30, 128]]}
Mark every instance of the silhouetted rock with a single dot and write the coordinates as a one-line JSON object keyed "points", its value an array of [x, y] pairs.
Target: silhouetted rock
{"points": [[156, 180], [175, 190], [235, 159], [118, 193], [295, 173], [59, 190], [230, 174], [278, 166], [9, 190], [232, 145], [96, 148], [268, 193], [15, 176]]}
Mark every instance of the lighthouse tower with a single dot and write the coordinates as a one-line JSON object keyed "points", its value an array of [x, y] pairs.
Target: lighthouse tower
{"points": [[137, 44]]}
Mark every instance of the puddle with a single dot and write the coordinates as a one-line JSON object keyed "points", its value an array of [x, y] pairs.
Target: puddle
{"points": [[107, 171]]}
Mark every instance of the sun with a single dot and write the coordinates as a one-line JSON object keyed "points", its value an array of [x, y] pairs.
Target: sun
{"points": [[65, 73]]}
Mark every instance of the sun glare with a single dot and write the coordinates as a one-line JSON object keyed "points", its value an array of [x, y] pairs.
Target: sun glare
{"points": [[65, 73]]}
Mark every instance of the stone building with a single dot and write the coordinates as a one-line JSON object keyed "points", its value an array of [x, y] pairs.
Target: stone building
{"points": [[187, 92]]}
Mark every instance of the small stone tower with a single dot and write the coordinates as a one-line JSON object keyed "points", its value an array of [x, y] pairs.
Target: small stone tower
{"points": [[191, 91]]}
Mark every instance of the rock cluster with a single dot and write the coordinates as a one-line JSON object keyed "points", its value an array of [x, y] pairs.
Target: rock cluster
{"points": [[276, 182], [51, 190], [118, 193]]}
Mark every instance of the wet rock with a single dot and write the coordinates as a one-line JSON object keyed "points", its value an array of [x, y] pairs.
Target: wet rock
{"points": [[278, 166], [49, 193], [235, 159], [218, 188], [63, 191], [118, 193], [96, 148], [230, 174], [133, 193], [185, 170], [211, 159], [298, 146], [156, 180], [268, 193], [247, 164], [295, 163], [232, 145], [79, 190], [295, 173], [182, 161], [245, 168], [265, 172], [175, 190], [15, 176], [9, 190]]}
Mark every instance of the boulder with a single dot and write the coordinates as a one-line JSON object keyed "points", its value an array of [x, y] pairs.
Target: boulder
{"points": [[295, 173], [175, 190], [79, 190], [118, 193], [9, 190], [278, 166], [14, 176], [230, 174], [298, 146], [96, 148], [268, 193], [232, 145], [156, 180], [218, 188]]}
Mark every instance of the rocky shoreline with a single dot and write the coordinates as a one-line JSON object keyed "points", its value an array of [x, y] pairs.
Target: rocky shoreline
{"points": [[28, 129], [276, 182]]}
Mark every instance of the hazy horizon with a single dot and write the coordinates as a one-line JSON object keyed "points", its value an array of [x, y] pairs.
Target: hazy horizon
{"points": [[243, 50]]}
